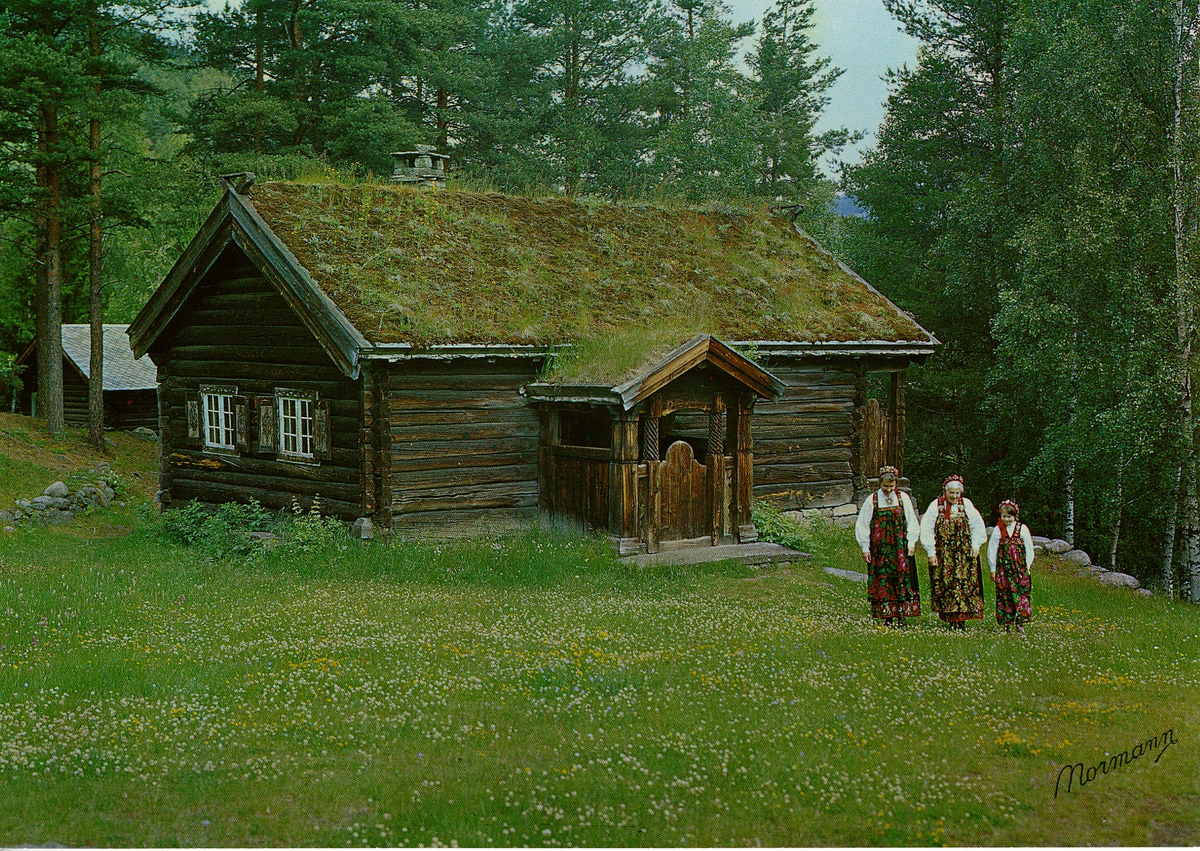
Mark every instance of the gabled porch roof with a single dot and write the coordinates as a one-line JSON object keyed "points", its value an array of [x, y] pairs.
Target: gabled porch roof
{"points": [[703, 348]]}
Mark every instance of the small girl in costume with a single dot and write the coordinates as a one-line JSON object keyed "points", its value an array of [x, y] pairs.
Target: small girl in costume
{"points": [[1010, 554], [887, 531]]}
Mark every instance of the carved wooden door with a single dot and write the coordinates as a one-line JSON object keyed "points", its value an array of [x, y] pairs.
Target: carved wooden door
{"points": [[684, 499]]}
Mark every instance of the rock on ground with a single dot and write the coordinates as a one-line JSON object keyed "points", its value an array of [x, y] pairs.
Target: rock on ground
{"points": [[1119, 580], [1078, 557]]}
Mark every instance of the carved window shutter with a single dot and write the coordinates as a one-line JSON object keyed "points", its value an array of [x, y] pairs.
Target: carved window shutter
{"points": [[241, 423], [193, 419], [267, 429], [322, 439]]}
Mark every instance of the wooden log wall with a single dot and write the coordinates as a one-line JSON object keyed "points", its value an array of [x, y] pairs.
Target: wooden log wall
{"points": [[236, 329], [123, 409], [464, 445], [130, 409], [803, 442]]}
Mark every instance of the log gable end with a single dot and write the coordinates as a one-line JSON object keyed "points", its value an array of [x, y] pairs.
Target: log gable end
{"points": [[291, 412]]}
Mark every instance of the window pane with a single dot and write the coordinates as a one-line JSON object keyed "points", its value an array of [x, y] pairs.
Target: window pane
{"points": [[296, 426], [218, 420]]}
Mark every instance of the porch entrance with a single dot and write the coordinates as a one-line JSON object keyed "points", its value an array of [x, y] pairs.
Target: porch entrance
{"points": [[688, 487], [646, 460], [681, 496]]}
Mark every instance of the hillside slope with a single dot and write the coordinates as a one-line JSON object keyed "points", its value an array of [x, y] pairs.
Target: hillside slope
{"points": [[30, 460]]}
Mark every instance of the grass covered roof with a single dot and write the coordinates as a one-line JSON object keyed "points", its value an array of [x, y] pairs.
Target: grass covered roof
{"points": [[619, 282]]}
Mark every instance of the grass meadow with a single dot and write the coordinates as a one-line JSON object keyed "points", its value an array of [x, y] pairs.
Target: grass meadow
{"points": [[532, 691]]}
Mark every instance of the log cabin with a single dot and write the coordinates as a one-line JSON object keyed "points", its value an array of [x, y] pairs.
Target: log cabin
{"points": [[130, 383], [449, 362]]}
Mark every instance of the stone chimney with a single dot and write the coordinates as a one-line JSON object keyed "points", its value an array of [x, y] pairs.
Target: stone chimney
{"points": [[422, 167]]}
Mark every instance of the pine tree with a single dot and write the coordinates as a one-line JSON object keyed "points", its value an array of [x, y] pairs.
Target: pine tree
{"points": [[789, 86]]}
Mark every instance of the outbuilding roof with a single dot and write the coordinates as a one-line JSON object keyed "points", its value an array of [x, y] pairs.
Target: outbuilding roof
{"points": [[122, 371]]}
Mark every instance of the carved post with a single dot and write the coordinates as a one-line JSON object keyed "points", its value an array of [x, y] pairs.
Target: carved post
{"points": [[858, 443], [716, 468], [650, 438], [899, 384], [743, 476], [622, 482]]}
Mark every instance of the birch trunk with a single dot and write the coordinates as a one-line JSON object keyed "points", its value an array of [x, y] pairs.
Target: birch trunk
{"points": [[1069, 524], [1168, 559], [1186, 34]]}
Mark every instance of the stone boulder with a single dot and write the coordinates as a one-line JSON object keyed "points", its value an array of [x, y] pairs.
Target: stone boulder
{"points": [[1057, 546], [57, 490], [145, 434], [363, 529], [1078, 557], [1118, 580]]}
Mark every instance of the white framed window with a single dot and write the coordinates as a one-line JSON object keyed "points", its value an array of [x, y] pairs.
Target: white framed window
{"points": [[218, 418], [295, 411]]}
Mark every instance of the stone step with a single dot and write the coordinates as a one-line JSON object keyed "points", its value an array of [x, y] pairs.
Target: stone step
{"points": [[751, 554]]}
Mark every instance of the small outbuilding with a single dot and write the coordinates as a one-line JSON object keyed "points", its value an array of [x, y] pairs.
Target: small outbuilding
{"points": [[445, 362], [130, 383]]}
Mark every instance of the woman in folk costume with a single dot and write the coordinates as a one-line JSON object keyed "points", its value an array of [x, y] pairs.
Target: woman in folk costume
{"points": [[887, 531], [1010, 554], [952, 533]]}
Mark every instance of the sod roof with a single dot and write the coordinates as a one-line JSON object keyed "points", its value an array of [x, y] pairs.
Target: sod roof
{"points": [[429, 268]]}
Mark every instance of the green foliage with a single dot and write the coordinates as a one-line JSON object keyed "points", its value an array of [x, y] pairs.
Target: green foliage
{"points": [[1021, 207], [218, 532], [816, 535], [775, 526], [308, 532], [151, 698], [789, 86], [300, 80], [10, 377]]}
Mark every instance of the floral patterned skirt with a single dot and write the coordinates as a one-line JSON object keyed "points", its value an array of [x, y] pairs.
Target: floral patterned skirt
{"points": [[1012, 586], [892, 574], [956, 582]]}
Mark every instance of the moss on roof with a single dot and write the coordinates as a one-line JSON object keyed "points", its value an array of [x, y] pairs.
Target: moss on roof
{"points": [[426, 268]]}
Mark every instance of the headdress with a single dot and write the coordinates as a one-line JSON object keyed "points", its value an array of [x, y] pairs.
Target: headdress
{"points": [[951, 480], [889, 472], [1009, 503]]}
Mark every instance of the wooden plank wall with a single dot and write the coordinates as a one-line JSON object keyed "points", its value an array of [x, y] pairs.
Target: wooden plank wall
{"points": [[236, 329], [580, 486], [803, 442], [464, 445]]}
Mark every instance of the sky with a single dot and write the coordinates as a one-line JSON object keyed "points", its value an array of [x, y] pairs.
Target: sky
{"points": [[864, 41]]}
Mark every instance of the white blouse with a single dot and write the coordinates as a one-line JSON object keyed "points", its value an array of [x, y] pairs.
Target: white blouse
{"points": [[994, 544], [866, 514], [974, 523]]}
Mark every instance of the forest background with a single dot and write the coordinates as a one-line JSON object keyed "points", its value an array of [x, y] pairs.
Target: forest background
{"points": [[1031, 196]]}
